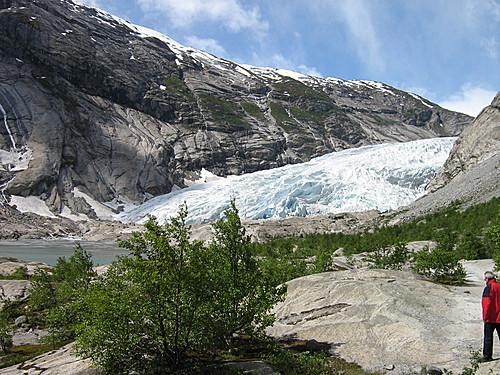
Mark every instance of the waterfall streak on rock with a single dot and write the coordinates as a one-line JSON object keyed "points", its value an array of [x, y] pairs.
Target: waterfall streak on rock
{"points": [[7, 127]]}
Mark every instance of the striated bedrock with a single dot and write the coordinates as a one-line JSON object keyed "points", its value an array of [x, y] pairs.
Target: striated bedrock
{"points": [[384, 319], [476, 145], [471, 174], [125, 113]]}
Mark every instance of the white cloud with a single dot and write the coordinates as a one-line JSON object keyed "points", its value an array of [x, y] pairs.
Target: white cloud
{"points": [[230, 13], [277, 60], [206, 44], [470, 100], [358, 17], [356, 14], [89, 3], [309, 70]]}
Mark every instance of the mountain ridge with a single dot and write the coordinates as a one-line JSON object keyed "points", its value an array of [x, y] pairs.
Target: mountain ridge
{"points": [[93, 104]]}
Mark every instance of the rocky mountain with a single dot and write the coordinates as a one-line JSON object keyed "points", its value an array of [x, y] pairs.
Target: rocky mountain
{"points": [[478, 143], [472, 172], [92, 106]]}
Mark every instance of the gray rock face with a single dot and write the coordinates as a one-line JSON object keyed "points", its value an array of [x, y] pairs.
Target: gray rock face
{"points": [[471, 174], [93, 103], [478, 143], [15, 225], [387, 319]]}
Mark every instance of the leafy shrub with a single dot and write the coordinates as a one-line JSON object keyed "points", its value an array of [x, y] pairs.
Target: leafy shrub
{"points": [[293, 363], [471, 246], [52, 294], [5, 333], [441, 265], [323, 262], [21, 273], [394, 257], [282, 269], [244, 294], [493, 240], [172, 296]]}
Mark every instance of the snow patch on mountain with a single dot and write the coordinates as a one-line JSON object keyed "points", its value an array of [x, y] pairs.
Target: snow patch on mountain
{"points": [[264, 73], [382, 177]]}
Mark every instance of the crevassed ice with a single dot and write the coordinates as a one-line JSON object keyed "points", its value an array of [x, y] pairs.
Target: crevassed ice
{"points": [[382, 177]]}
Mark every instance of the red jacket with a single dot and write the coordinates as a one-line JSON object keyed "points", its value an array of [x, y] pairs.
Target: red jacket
{"points": [[491, 302]]}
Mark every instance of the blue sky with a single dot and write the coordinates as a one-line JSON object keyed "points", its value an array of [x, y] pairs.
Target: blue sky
{"points": [[446, 50]]}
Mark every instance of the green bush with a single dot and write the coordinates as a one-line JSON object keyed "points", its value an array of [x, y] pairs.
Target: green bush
{"points": [[6, 329], [441, 265], [493, 240], [394, 257], [472, 246], [173, 296], [52, 294], [243, 294], [292, 363]]}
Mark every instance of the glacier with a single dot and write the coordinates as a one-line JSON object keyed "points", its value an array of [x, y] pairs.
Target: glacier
{"points": [[381, 177]]}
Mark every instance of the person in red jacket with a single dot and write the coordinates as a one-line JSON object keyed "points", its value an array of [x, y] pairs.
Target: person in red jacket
{"points": [[491, 314]]}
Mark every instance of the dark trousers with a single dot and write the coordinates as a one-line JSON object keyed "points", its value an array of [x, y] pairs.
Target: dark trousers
{"points": [[489, 329]]}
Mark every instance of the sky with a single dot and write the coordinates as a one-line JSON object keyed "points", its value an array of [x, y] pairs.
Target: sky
{"points": [[445, 50]]}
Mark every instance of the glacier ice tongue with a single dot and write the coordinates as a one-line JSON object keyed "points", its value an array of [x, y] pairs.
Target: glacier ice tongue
{"points": [[381, 177]]}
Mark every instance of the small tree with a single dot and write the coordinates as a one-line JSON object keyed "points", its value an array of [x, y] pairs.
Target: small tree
{"points": [[5, 333], [471, 247], [243, 294], [493, 239], [149, 308], [440, 265], [52, 293], [394, 257], [173, 295]]}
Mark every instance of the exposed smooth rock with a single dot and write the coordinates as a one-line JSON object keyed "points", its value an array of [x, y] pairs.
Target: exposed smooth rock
{"points": [[15, 225], [13, 290], [58, 362], [252, 367], [8, 266], [380, 318], [28, 337]]}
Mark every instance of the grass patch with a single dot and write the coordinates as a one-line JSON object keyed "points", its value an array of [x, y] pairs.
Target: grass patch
{"points": [[21, 273], [281, 116], [310, 116], [224, 111], [382, 121], [298, 89], [293, 357], [252, 109], [178, 86]]}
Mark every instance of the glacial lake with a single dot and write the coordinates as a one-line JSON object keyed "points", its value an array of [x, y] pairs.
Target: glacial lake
{"points": [[47, 251]]}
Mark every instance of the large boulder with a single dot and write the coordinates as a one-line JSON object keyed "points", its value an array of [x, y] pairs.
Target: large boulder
{"points": [[14, 290], [386, 319]]}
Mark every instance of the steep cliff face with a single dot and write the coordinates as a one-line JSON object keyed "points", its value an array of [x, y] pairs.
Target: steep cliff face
{"points": [[471, 174], [90, 104], [478, 143]]}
